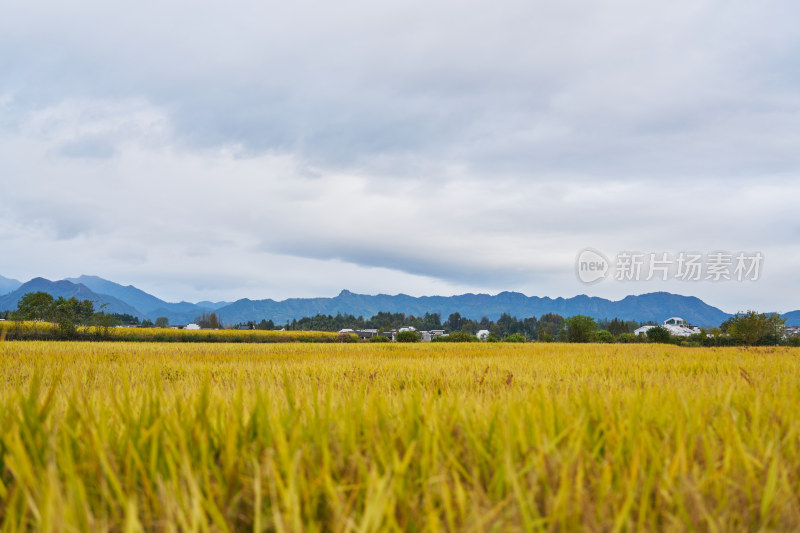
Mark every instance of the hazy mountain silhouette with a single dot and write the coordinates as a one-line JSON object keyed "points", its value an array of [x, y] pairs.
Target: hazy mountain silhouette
{"points": [[67, 289], [7, 285]]}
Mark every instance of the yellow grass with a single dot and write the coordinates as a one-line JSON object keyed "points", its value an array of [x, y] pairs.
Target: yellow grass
{"points": [[359, 437]]}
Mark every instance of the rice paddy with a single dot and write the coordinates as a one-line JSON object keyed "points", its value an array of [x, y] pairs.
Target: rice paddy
{"points": [[397, 437]]}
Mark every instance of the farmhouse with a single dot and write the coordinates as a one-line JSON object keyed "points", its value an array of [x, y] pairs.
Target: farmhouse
{"points": [[425, 336], [791, 331], [675, 325]]}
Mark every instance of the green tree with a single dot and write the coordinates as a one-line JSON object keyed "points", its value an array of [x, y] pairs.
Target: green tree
{"points": [[604, 336], [162, 322], [212, 321], [456, 336], [265, 324], [35, 306], [659, 334], [103, 323], [408, 336], [431, 321], [632, 338], [581, 328], [753, 328], [68, 313], [618, 326], [530, 327], [454, 322], [551, 326]]}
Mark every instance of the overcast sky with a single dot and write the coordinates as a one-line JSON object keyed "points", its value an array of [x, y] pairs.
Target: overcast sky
{"points": [[220, 150]]}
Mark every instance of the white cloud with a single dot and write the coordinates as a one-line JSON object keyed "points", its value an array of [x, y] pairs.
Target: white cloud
{"points": [[209, 151]]}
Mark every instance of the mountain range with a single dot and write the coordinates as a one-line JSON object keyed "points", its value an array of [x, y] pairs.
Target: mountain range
{"points": [[7, 285], [116, 298]]}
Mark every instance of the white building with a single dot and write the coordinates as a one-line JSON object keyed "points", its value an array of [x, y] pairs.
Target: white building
{"points": [[675, 325], [482, 334], [191, 326]]}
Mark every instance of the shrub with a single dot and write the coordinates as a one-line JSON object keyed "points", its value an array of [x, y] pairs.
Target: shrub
{"points": [[631, 338], [379, 338], [516, 337], [604, 336], [457, 336], [346, 337], [794, 340], [408, 336], [659, 334], [580, 328]]}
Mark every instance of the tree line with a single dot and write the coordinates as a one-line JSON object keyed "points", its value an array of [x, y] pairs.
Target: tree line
{"points": [[548, 327], [745, 328], [66, 314]]}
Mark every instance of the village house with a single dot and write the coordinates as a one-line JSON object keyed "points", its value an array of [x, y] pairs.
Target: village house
{"points": [[675, 325]]}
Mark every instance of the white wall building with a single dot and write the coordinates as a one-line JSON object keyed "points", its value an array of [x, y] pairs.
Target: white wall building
{"points": [[675, 325]]}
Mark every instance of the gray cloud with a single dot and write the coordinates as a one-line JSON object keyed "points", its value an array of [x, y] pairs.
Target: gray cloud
{"points": [[269, 149], [529, 87], [87, 147]]}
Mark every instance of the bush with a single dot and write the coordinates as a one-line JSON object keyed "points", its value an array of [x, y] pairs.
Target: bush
{"points": [[794, 340], [659, 334], [516, 337], [379, 338], [631, 338], [408, 336], [580, 328], [604, 336], [456, 336]]}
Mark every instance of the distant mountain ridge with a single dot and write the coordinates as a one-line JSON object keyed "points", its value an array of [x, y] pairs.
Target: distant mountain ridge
{"points": [[792, 318], [134, 297], [66, 289], [654, 307], [147, 305], [8, 285]]}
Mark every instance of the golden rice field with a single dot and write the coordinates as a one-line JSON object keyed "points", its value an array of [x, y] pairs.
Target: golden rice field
{"points": [[28, 330], [390, 437]]}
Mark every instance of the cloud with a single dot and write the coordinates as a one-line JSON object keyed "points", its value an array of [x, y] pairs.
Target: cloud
{"points": [[297, 149], [88, 147], [618, 89]]}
